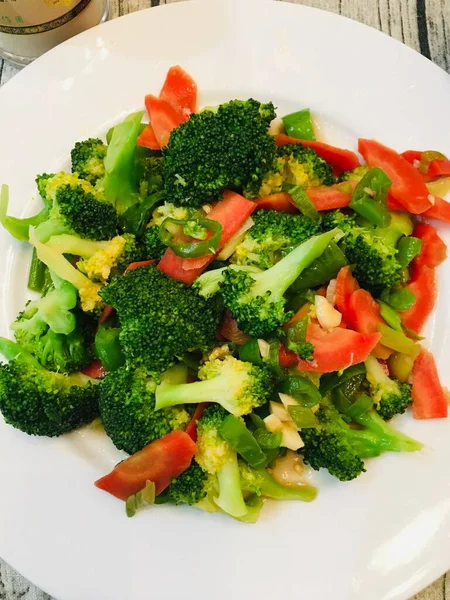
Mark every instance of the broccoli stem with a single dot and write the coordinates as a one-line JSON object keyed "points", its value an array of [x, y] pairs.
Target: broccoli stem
{"points": [[71, 244], [282, 275], [217, 390], [387, 439], [230, 498], [18, 228], [10, 350], [270, 488]]}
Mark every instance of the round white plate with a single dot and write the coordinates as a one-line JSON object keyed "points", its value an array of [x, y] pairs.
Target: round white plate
{"points": [[382, 537]]}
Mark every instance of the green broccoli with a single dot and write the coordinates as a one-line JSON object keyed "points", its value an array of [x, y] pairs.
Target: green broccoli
{"points": [[47, 328], [88, 159], [40, 402], [127, 408], [190, 487], [296, 165], [237, 386], [150, 175], [54, 259], [99, 259], [338, 218], [390, 397], [160, 317], [153, 247], [338, 447], [257, 300], [356, 175], [261, 483], [77, 209], [271, 236], [228, 147]]}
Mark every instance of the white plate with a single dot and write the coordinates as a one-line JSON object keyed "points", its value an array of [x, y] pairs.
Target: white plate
{"points": [[381, 537]]}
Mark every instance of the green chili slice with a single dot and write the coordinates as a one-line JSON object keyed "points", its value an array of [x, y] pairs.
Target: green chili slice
{"points": [[191, 249], [369, 197]]}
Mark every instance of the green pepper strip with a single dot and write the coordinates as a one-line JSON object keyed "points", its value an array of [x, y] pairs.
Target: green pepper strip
{"points": [[301, 389], [299, 125], [303, 417], [369, 197], [135, 219], [360, 406], [324, 268], [107, 348], [391, 317], [399, 299], [302, 202], [249, 352], [191, 249], [36, 275], [396, 340], [408, 248], [241, 440]]}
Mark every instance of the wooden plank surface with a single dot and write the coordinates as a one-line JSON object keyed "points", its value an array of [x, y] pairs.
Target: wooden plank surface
{"points": [[422, 24]]}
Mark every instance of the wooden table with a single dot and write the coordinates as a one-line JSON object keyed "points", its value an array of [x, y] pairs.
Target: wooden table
{"points": [[422, 24]]}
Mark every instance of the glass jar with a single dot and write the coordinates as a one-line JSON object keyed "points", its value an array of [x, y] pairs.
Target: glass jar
{"points": [[28, 28]]}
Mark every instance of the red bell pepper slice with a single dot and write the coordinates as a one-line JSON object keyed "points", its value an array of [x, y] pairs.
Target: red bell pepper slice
{"points": [[394, 204], [339, 158], [286, 357], [363, 312], [163, 118], [429, 401], [346, 284], [147, 139], [180, 91], [423, 286], [95, 370], [408, 186], [434, 249], [337, 349], [440, 210], [160, 462], [281, 202], [328, 197], [230, 331], [231, 212], [191, 428], [437, 168]]}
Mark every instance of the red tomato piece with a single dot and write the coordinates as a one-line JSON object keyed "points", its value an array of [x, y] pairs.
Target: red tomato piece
{"points": [[434, 250], [346, 284], [191, 428], [440, 210], [423, 286], [286, 357], [231, 212], [408, 186], [163, 118], [180, 91], [159, 462], [147, 139], [326, 197], [337, 349], [95, 370], [281, 202], [429, 401], [339, 158]]}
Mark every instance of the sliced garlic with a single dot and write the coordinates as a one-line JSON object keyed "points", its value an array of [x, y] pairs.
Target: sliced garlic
{"points": [[331, 292], [273, 424], [287, 400], [237, 238], [264, 349], [291, 438], [276, 126], [277, 409], [326, 314]]}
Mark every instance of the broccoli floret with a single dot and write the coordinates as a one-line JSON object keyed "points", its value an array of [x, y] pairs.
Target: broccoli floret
{"points": [[160, 317], [47, 328], [169, 210], [373, 251], [261, 483], [151, 175], [229, 147], [296, 165], [272, 233], [337, 218], [305, 350], [257, 300], [76, 209], [355, 175], [390, 396], [54, 259], [153, 247], [190, 487], [338, 447], [40, 402], [237, 386], [127, 409], [99, 259], [88, 159], [217, 459]]}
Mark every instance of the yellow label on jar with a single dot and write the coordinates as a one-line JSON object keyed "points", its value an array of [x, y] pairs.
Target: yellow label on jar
{"points": [[37, 16]]}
